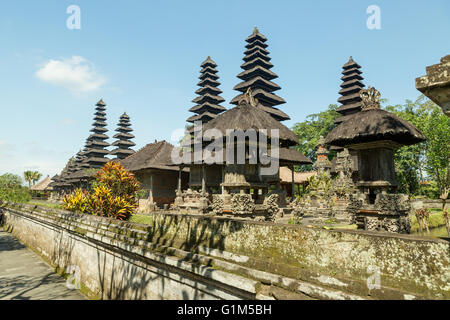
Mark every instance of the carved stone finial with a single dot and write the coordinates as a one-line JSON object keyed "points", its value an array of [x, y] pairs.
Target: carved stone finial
{"points": [[249, 99], [255, 30], [321, 141], [370, 98]]}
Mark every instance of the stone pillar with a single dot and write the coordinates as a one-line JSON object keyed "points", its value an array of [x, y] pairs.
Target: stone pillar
{"points": [[203, 196], [293, 182], [203, 180], [223, 179], [150, 193], [179, 193], [180, 168]]}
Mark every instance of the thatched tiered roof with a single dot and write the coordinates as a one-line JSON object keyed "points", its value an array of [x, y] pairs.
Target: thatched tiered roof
{"points": [[123, 142], [208, 102], [258, 76], [63, 179], [246, 117], [249, 115], [153, 156], [351, 85], [372, 124], [96, 145]]}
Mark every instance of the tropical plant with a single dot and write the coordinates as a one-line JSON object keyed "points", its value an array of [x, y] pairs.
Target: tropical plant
{"points": [[77, 201], [35, 176], [114, 194], [28, 176]]}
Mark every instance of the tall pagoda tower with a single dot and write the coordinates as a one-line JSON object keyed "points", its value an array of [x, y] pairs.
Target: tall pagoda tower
{"points": [[208, 101], [351, 85], [79, 161], [257, 76], [123, 142], [96, 144]]}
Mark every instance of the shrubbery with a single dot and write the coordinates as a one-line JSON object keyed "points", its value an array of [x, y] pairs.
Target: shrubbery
{"points": [[11, 189], [114, 194]]}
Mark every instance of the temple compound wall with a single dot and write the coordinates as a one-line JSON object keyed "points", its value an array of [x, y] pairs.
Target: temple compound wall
{"points": [[199, 257]]}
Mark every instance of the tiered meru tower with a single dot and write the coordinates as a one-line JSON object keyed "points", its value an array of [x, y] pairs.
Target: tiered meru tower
{"points": [[123, 142], [257, 76], [207, 103], [351, 85], [96, 144]]}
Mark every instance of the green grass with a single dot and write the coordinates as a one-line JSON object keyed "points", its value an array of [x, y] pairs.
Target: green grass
{"points": [[141, 218], [436, 220], [44, 203]]}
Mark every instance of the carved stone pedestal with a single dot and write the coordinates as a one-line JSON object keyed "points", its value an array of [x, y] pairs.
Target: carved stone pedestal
{"points": [[389, 212]]}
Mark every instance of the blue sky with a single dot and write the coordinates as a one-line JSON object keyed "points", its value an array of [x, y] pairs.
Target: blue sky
{"points": [[143, 57]]}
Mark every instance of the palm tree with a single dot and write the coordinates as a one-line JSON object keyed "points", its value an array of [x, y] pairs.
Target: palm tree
{"points": [[28, 176], [36, 175]]}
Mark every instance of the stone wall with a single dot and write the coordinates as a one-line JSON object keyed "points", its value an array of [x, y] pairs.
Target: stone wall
{"points": [[429, 203], [195, 257]]}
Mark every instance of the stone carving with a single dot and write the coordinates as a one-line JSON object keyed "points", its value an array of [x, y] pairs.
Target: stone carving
{"points": [[370, 98], [217, 204], [343, 185], [389, 212], [193, 200], [249, 99], [271, 204], [322, 163], [242, 204]]}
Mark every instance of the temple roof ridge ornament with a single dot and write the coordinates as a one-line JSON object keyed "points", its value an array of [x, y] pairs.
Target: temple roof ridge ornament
{"points": [[370, 98], [249, 99]]}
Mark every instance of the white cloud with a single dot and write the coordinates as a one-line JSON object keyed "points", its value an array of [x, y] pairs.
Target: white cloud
{"points": [[76, 74]]}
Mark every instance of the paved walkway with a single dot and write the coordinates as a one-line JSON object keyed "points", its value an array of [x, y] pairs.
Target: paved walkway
{"points": [[24, 276]]}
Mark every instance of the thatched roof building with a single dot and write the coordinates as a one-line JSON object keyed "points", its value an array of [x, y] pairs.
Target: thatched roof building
{"points": [[371, 125], [246, 116], [43, 185], [96, 146], [351, 85], [258, 76], [208, 102], [151, 167], [123, 143], [299, 177], [153, 156], [374, 134]]}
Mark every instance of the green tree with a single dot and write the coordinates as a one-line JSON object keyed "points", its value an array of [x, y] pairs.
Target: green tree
{"points": [[9, 180], [11, 189], [310, 130], [28, 176], [429, 159], [35, 176]]}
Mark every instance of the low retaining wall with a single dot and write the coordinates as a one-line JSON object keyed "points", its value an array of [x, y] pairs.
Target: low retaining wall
{"points": [[429, 203], [199, 257]]}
